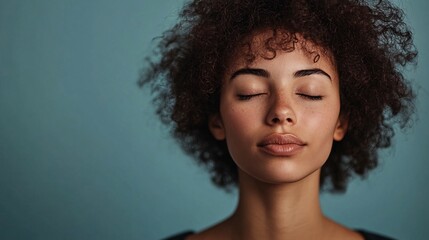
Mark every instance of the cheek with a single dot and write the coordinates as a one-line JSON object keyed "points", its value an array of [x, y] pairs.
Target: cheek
{"points": [[320, 121], [240, 114], [237, 121], [318, 128], [241, 124]]}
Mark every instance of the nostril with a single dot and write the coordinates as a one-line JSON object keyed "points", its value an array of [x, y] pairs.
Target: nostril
{"points": [[276, 120]]}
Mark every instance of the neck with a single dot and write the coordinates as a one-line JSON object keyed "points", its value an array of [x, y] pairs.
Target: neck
{"points": [[278, 211]]}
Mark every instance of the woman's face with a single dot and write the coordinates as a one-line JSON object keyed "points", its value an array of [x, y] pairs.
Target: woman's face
{"points": [[280, 117]]}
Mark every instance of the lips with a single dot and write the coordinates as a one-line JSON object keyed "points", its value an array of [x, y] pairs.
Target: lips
{"points": [[281, 144]]}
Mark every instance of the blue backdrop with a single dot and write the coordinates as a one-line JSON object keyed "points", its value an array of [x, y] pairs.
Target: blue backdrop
{"points": [[82, 155]]}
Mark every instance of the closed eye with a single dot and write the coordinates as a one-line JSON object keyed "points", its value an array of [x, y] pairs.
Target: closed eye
{"points": [[244, 97], [310, 97]]}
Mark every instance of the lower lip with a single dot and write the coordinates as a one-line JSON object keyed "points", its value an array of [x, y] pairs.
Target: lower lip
{"points": [[284, 150]]}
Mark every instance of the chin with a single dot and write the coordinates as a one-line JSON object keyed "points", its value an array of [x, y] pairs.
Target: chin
{"points": [[281, 175]]}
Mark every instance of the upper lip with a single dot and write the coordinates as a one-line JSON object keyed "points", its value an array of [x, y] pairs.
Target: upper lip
{"points": [[281, 139]]}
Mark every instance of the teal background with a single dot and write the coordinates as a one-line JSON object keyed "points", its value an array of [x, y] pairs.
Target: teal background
{"points": [[82, 155]]}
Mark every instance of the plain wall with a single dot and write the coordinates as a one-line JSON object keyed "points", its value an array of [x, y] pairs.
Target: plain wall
{"points": [[82, 155]]}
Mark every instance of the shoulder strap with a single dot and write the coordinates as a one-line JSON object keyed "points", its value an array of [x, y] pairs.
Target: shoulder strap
{"points": [[179, 236], [373, 236]]}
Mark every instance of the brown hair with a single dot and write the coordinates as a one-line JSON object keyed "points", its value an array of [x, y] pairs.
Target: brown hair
{"points": [[369, 42]]}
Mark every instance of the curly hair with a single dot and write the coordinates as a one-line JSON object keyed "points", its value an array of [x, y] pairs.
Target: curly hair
{"points": [[370, 44]]}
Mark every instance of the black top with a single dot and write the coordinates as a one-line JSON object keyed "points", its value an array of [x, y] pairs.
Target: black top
{"points": [[367, 235]]}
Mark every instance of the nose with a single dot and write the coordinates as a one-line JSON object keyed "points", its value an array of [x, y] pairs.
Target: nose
{"points": [[281, 112]]}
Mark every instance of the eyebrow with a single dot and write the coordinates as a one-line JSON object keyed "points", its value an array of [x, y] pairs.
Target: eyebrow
{"points": [[252, 71], [307, 72], [264, 73]]}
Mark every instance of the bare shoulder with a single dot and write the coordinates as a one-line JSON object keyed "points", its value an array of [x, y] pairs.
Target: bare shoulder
{"points": [[338, 231], [207, 234]]}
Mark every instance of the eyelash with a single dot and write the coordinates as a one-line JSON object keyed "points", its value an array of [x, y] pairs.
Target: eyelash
{"points": [[243, 97], [310, 97]]}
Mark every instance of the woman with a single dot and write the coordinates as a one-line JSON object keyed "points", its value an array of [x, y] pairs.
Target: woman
{"points": [[282, 98]]}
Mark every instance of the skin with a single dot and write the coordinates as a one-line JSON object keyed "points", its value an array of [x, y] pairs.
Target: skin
{"points": [[290, 95]]}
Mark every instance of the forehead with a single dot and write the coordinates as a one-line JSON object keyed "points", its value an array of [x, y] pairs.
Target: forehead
{"points": [[266, 44]]}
